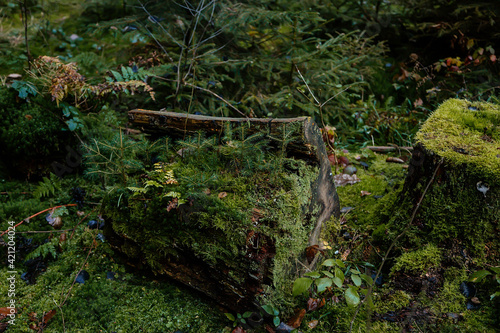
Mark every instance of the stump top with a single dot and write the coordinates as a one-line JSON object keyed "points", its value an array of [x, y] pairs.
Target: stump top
{"points": [[465, 132]]}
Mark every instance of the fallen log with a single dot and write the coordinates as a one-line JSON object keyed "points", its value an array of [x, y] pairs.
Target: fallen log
{"points": [[240, 240]]}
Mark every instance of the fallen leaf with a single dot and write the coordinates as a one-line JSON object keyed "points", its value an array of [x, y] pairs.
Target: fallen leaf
{"points": [[238, 330], [257, 214], [344, 179], [222, 195], [332, 159], [312, 324], [296, 320], [311, 252], [269, 329], [207, 191], [172, 204], [32, 316], [48, 316], [313, 304], [345, 255], [6, 311], [343, 161], [365, 193]]}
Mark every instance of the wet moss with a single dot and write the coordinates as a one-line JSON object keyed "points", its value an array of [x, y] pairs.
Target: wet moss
{"points": [[418, 261], [126, 303], [465, 133]]}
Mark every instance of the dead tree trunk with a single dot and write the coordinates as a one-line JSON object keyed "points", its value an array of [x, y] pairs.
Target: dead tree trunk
{"points": [[237, 282]]}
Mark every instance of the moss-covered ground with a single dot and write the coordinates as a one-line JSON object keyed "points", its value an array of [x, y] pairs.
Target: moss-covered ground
{"points": [[419, 288]]}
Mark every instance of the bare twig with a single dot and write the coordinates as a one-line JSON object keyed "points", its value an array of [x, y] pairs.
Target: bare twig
{"points": [[32, 216], [219, 97], [298, 71]]}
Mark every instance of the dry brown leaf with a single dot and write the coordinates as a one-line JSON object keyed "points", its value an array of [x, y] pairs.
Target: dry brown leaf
{"points": [[312, 324], [296, 320], [6, 311], [365, 193], [344, 179], [312, 304], [48, 316], [345, 255], [172, 204], [222, 195]]}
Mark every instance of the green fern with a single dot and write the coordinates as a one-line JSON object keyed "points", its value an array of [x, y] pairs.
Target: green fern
{"points": [[45, 249], [48, 186]]}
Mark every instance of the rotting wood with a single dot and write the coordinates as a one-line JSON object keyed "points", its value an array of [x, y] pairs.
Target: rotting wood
{"points": [[311, 145], [215, 280]]}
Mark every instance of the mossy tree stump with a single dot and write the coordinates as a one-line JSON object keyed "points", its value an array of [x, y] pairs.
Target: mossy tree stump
{"points": [[458, 151], [255, 194]]}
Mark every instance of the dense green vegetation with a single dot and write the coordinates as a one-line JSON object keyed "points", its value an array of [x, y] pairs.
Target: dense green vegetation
{"points": [[369, 72]]}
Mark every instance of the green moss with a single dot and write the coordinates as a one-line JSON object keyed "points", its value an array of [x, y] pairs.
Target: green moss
{"points": [[465, 133], [245, 205], [125, 304], [418, 261], [391, 301]]}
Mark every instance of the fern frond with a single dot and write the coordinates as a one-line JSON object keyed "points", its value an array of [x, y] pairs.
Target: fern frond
{"points": [[48, 186]]}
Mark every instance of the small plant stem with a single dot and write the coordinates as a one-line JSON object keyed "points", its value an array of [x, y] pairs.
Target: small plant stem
{"points": [[384, 259], [219, 97], [24, 17]]}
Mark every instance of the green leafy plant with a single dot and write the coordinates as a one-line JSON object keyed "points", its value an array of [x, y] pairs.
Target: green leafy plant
{"points": [[272, 311], [240, 319], [479, 276], [48, 186], [335, 275], [46, 249]]}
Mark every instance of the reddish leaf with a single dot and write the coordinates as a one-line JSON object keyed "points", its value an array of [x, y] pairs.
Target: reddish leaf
{"points": [[343, 161], [3, 326], [48, 316], [311, 252], [296, 320], [32, 316], [238, 330], [312, 324], [332, 159], [257, 215], [172, 204], [269, 329], [312, 304], [493, 58], [365, 193], [6, 311], [222, 195]]}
